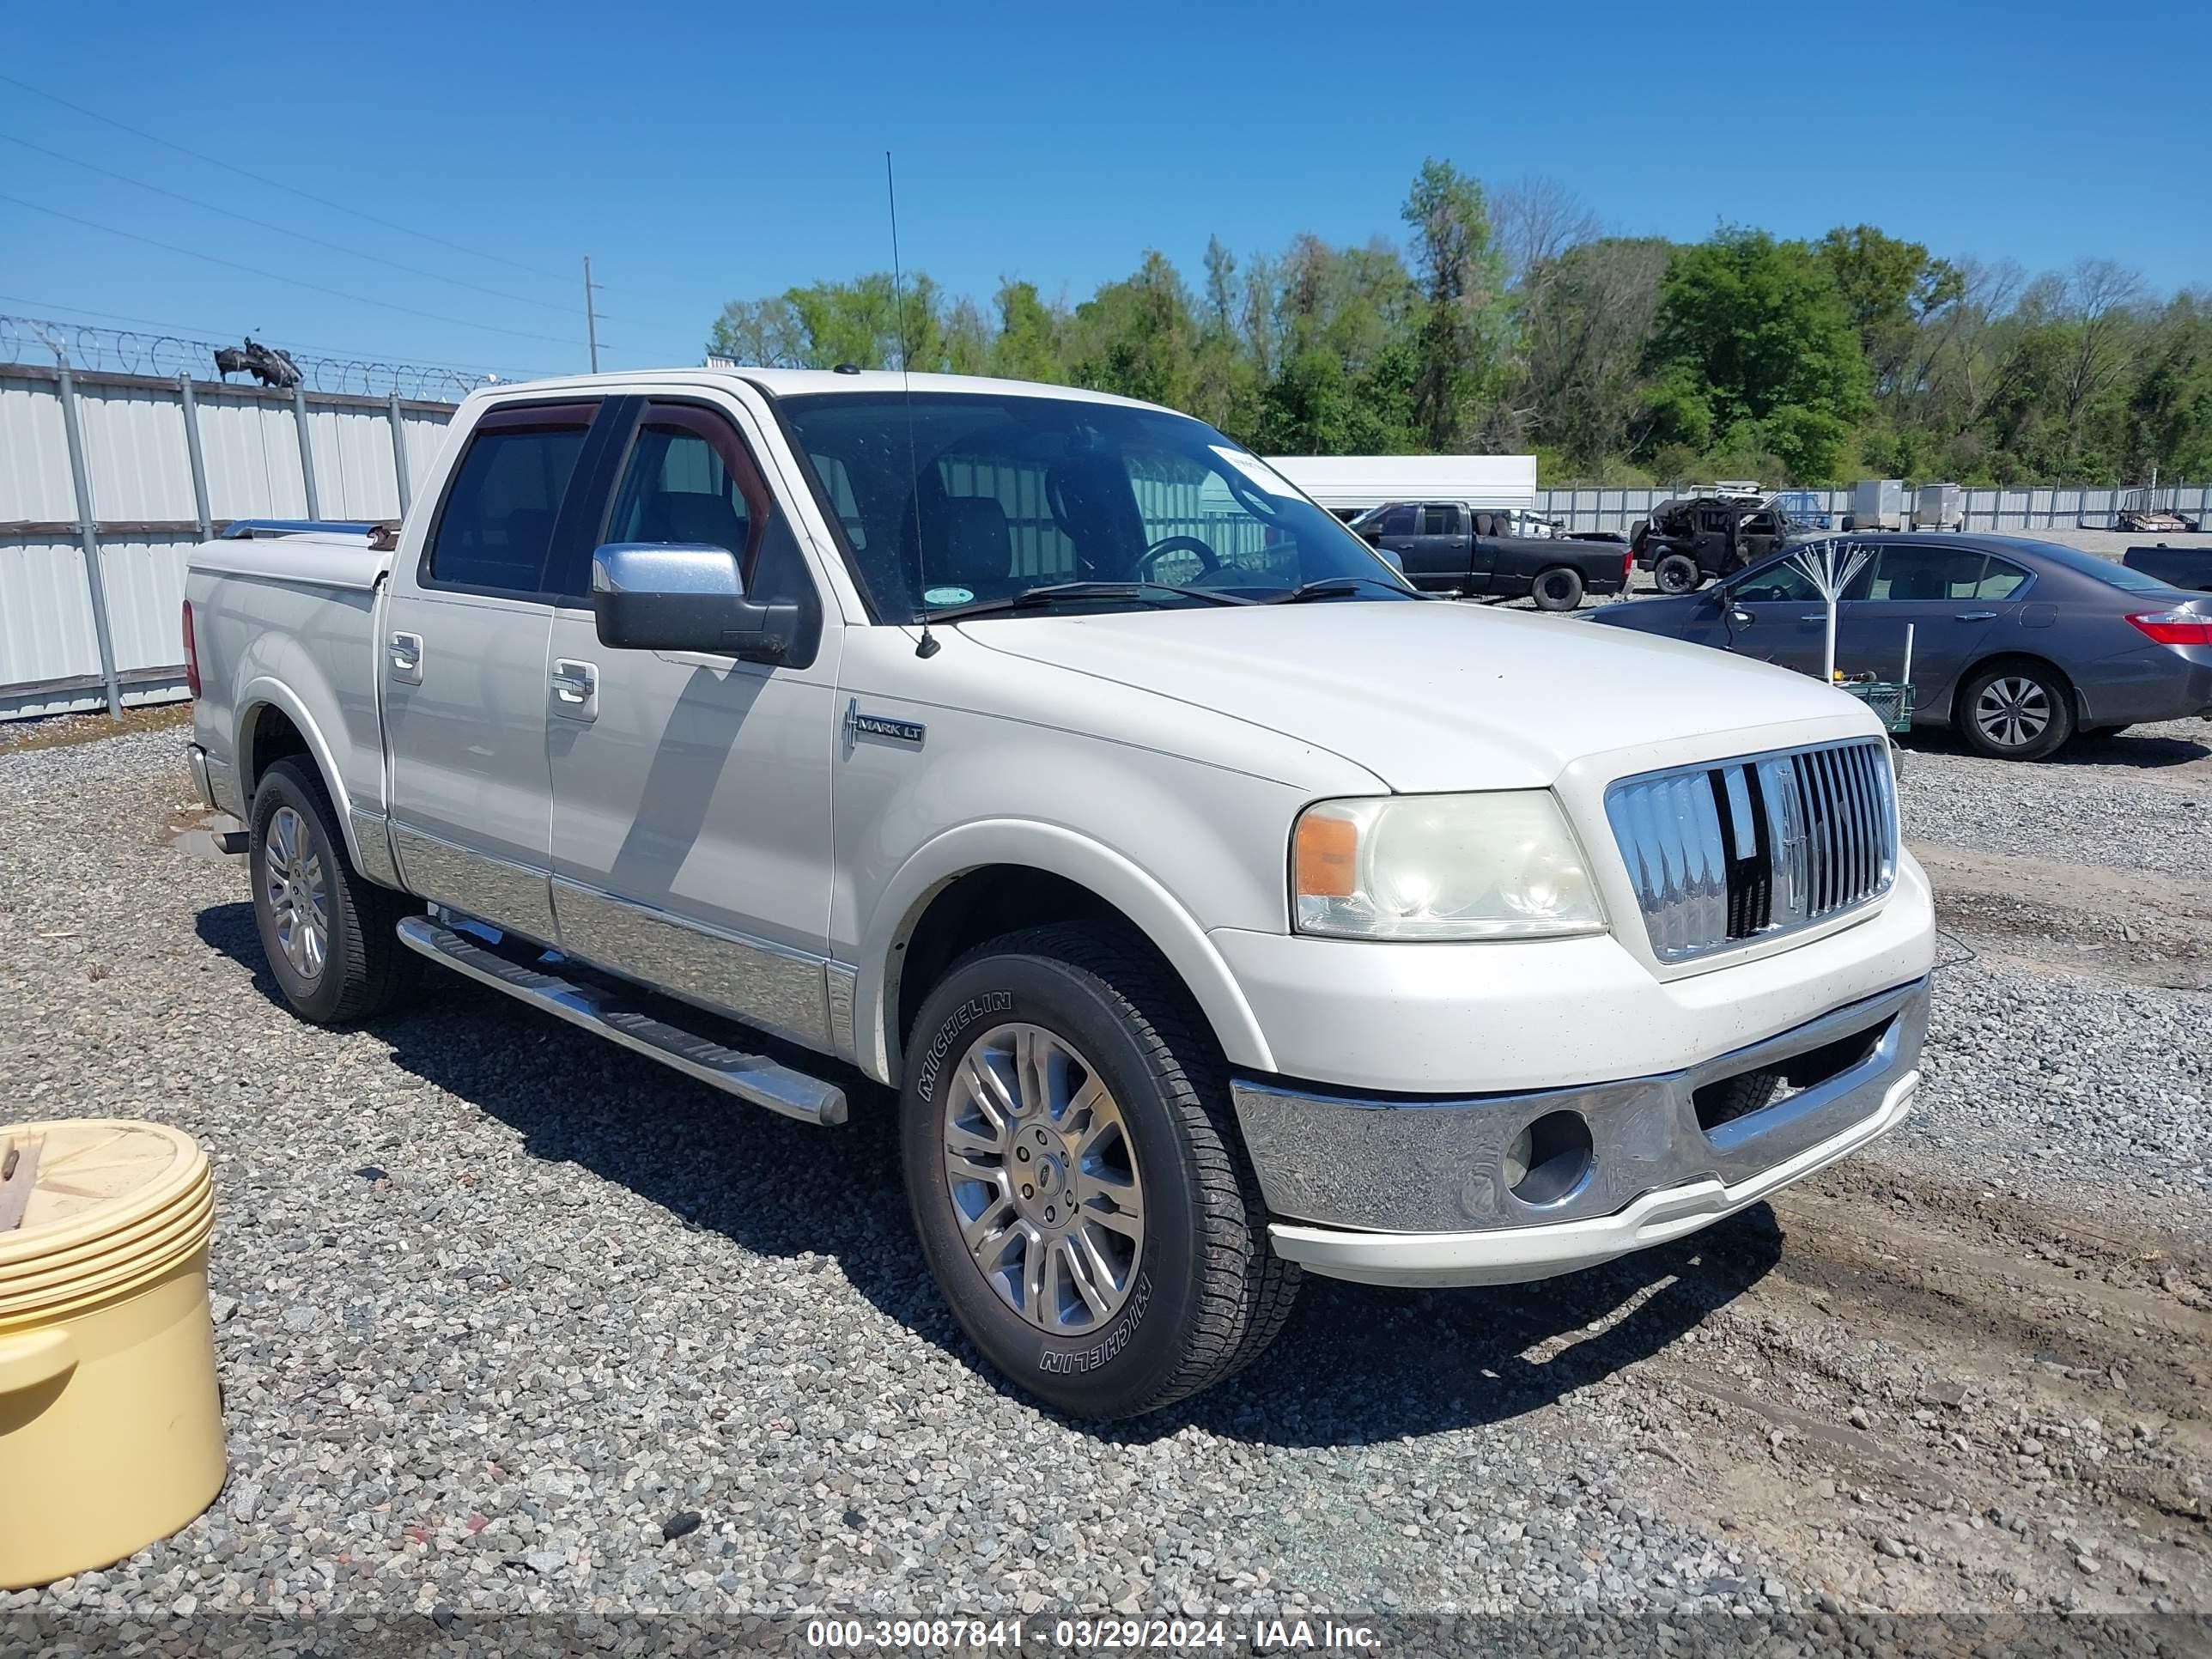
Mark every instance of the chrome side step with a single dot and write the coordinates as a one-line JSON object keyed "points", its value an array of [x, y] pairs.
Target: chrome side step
{"points": [[751, 1077]]}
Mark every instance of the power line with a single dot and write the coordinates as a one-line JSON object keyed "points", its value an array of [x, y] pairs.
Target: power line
{"points": [[189, 333], [273, 183], [296, 282], [281, 230]]}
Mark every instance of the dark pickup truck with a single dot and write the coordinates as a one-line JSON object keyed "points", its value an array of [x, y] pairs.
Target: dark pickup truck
{"points": [[1445, 548], [2184, 566]]}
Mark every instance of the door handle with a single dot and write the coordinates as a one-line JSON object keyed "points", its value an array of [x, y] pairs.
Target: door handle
{"points": [[1815, 616], [1975, 615], [407, 657], [576, 688], [1741, 617], [574, 681]]}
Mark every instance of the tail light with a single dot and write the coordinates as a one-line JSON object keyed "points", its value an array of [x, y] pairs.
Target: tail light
{"points": [[2174, 627], [191, 655], [1627, 565]]}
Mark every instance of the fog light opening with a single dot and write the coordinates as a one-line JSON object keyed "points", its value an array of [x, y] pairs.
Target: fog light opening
{"points": [[1548, 1159]]}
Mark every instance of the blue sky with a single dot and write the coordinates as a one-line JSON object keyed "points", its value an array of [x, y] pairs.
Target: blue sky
{"points": [[701, 152]]}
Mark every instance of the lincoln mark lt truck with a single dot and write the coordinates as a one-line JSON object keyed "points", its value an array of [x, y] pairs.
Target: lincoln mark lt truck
{"points": [[1219, 908]]}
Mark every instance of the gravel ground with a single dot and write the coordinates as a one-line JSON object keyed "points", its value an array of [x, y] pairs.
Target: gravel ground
{"points": [[501, 1302], [2140, 801], [512, 1320], [2020, 1061]]}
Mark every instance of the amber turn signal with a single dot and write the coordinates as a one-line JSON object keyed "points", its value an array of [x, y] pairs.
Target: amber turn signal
{"points": [[1325, 856]]}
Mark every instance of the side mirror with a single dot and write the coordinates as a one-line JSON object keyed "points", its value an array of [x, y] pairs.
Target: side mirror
{"points": [[664, 596]]}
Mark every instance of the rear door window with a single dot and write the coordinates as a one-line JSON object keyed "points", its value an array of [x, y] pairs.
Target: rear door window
{"points": [[1439, 521], [1902, 574], [495, 529]]}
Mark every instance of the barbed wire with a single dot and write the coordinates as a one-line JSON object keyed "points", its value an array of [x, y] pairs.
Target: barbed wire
{"points": [[145, 351]]}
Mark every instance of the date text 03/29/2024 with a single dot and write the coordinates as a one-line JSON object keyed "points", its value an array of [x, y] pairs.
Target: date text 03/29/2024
{"points": [[1089, 1635]]}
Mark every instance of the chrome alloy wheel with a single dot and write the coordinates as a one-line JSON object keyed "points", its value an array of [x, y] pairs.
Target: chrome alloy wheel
{"points": [[299, 900], [1044, 1179], [2013, 712]]}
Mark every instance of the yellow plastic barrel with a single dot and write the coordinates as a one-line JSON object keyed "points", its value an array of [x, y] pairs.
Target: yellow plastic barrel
{"points": [[111, 1427]]}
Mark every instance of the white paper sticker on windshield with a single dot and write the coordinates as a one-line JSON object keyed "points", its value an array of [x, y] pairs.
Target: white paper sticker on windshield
{"points": [[1255, 469]]}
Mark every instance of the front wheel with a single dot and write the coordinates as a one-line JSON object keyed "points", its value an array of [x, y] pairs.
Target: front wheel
{"points": [[1077, 1182], [2016, 711], [1558, 589], [1677, 573]]}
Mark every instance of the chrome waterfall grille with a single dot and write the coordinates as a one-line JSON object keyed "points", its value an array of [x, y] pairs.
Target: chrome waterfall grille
{"points": [[1726, 852]]}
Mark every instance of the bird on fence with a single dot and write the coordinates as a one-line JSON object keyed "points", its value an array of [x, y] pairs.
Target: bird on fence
{"points": [[267, 364]]}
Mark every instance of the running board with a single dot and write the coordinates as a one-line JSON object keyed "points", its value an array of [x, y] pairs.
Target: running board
{"points": [[751, 1077]]}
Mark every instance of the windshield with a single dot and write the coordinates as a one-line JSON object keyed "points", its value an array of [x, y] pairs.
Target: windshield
{"points": [[1001, 496]]}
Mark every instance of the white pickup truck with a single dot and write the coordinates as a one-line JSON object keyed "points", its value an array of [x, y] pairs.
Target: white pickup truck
{"points": [[1218, 906]]}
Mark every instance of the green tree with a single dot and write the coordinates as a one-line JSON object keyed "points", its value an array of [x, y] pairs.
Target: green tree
{"points": [[2169, 412], [1891, 288], [1138, 336], [1028, 346], [1464, 317], [1755, 350], [763, 332], [1510, 323], [1585, 319]]}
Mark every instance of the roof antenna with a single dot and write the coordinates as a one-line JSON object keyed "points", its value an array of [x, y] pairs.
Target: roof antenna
{"points": [[926, 646]]}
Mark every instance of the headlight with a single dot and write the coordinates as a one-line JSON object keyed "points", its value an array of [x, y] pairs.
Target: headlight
{"points": [[1499, 865]]}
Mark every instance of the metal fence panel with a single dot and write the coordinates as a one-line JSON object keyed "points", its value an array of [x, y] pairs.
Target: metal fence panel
{"points": [[137, 435], [46, 612], [425, 433], [145, 599], [34, 469], [252, 450], [354, 477], [2041, 507]]}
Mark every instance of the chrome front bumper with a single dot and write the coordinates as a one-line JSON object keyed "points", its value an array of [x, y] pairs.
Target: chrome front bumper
{"points": [[1412, 1190]]}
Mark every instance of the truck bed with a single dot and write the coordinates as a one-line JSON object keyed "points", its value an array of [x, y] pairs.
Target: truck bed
{"points": [[293, 619]]}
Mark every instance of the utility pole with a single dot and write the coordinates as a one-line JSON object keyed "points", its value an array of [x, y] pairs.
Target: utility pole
{"points": [[590, 317]]}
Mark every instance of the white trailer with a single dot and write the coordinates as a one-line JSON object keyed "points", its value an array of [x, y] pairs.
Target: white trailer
{"points": [[1352, 484], [1877, 504], [1939, 507]]}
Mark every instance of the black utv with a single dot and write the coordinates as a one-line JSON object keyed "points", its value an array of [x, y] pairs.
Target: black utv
{"points": [[1692, 539]]}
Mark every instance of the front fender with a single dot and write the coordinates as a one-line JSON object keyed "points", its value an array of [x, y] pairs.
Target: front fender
{"points": [[1061, 851]]}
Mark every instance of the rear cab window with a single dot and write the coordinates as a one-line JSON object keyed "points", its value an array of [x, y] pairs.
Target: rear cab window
{"points": [[495, 529]]}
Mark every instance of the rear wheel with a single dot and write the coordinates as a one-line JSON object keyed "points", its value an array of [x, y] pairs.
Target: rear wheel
{"points": [[327, 930], [1077, 1181], [1559, 588], [2016, 711], [1677, 573]]}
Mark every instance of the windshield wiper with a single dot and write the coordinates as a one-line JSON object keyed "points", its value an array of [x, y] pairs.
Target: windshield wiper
{"points": [[1330, 587], [1039, 599]]}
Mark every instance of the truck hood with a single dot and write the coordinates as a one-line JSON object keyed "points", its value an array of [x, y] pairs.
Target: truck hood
{"points": [[1438, 697]]}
